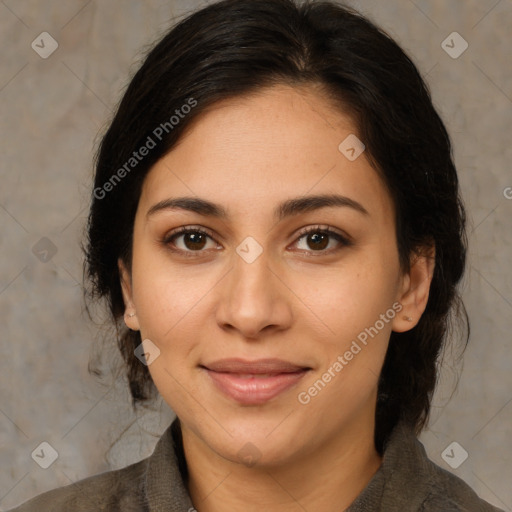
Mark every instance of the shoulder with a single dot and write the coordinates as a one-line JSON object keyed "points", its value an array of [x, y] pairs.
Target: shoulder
{"points": [[409, 480], [450, 493], [118, 490], [155, 483]]}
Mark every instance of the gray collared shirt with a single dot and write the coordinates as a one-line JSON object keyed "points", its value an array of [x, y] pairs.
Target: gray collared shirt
{"points": [[407, 481]]}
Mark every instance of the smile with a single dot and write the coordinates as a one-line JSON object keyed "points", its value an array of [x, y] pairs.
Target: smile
{"points": [[253, 383]]}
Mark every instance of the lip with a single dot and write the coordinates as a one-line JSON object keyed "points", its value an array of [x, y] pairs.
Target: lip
{"points": [[254, 382]]}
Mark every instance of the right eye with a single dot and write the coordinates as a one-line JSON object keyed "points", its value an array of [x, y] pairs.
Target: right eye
{"points": [[193, 240]]}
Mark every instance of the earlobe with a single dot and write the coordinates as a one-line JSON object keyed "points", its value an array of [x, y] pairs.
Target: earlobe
{"points": [[415, 290], [130, 315]]}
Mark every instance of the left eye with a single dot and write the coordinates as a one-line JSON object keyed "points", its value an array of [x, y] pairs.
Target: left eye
{"points": [[195, 239], [318, 239]]}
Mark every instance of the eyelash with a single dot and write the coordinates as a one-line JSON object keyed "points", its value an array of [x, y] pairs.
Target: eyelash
{"points": [[344, 241]]}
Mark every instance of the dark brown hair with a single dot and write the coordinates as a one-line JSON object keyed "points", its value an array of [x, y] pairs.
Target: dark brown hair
{"points": [[235, 47]]}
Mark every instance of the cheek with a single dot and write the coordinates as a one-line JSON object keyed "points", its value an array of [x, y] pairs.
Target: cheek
{"points": [[168, 298], [358, 309], [349, 298], [356, 304]]}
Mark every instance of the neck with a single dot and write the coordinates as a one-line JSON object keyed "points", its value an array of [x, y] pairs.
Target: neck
{"points": [[327, 479]]}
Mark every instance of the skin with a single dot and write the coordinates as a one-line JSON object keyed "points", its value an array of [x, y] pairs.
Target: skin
{"points": [[295, 301]]}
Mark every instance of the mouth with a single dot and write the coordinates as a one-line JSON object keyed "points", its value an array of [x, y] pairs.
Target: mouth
{"points": [[254, 382]]}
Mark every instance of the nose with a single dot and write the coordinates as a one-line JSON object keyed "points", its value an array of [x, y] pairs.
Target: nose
{"points": [[253, 299]]}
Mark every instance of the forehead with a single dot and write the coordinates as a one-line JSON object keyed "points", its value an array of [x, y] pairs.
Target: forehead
{"points": [[256, 150]]}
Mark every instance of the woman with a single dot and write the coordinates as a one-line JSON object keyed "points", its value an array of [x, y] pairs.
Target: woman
{"points": [[284, 246]]}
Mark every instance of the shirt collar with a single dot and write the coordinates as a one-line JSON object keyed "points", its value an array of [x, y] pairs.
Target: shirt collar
{"points": [[404, 475], [164, 485], [403, 479]]}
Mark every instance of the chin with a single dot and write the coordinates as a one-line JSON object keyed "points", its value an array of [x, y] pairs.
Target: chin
{"points": [[266, 443], [256, 454]]}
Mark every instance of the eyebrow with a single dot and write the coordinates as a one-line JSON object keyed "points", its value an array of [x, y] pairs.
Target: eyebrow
{"points": [[286, 209]]}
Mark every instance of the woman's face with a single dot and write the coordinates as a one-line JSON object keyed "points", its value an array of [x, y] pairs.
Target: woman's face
{"points": [[256, 287]]}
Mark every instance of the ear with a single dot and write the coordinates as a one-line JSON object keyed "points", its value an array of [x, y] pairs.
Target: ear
{"points": [[415, 288], [130, 314]]}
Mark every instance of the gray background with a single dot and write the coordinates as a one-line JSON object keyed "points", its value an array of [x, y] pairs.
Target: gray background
{"points": [[52, 112]]}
